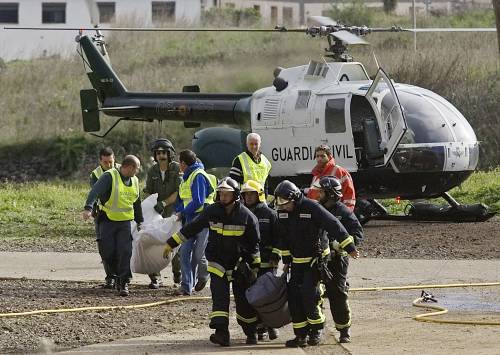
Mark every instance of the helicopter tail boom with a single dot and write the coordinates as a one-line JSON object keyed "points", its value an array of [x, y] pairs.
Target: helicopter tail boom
{"points": [[110, 96]]}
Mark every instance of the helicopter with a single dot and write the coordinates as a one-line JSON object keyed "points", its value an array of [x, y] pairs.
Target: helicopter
{"points": [[395, 139]]}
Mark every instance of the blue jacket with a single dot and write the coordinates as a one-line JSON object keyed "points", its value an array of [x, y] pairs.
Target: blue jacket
{"points": [[200, 189]]}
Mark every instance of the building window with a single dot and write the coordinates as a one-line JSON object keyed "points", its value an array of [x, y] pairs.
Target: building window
{"points": [[287, 15], [229, 5], [54, 12], [257, 8], [163, 11], [274, 15], [9, 12], [106, 12]]}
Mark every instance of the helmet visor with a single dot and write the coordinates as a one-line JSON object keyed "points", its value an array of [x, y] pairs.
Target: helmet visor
{"points": [[280, 201]]}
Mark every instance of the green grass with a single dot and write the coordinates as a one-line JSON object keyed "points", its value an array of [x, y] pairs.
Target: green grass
{"points": [[44, 210], [481, 187], [53, 209]]}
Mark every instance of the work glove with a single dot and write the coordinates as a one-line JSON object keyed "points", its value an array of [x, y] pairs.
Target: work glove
{"points": [[166, 251], [159, 207]]}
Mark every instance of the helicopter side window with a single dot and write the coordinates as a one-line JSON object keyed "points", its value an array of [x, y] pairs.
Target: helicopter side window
{"points": [[352, 72], [334, 116]]}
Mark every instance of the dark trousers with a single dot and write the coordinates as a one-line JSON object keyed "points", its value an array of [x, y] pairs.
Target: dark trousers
{"points": [[108, 269], [304, 299], [337, 291], [115, 247], [219, 318]]}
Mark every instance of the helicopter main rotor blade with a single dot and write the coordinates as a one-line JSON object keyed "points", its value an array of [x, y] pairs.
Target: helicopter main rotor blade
{"points": [[348, 37], [135, 29], [477, 29], [93, 12], [322, 20]]}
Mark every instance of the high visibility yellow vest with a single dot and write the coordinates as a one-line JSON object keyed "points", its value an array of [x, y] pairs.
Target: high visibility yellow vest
{"points": [[254, 171], [120, 206], [185, 188], [99, 171]]}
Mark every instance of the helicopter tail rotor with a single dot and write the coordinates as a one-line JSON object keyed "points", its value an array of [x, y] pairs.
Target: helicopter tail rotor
{"points": [[93, 12]]}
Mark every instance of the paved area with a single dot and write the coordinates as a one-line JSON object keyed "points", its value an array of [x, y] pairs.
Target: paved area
{"points": [[381, 316]]}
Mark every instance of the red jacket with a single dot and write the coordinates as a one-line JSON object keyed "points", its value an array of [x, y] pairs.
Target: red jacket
{"points": [[330, 169]]}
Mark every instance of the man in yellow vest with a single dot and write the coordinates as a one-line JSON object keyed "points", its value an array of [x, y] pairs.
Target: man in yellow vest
{"points": [[118, 193], [196, 191], [251, 164], [106, 162]]}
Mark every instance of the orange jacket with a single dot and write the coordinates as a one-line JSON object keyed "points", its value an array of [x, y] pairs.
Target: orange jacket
{"points": [[330, 169]]}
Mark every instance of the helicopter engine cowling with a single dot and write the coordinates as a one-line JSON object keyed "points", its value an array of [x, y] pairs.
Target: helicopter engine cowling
{"points": [[216, 147]]}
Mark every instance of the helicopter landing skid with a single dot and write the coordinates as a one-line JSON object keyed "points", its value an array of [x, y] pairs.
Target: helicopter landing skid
{"points": [[423, 211]]}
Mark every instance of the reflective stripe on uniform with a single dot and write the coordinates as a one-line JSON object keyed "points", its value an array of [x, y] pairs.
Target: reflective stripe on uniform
{"points": [[300, 325], [219, 314], [266, 265], [276, 251], [301, 260], [179, 238], [216, 268], [227, 230], [285, 253], [346, 242], [246, 320]]}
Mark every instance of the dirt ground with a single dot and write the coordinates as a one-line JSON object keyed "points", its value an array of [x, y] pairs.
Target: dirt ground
{"points": [[69, 330]]}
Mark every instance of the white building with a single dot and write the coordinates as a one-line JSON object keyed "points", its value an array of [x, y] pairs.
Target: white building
{"points": [[296, 12], [22, 44]]}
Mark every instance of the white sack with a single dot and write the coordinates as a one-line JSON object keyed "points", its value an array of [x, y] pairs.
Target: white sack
{"points": [[149, 242]]}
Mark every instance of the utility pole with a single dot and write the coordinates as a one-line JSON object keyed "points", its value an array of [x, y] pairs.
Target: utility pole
{"points": [[496, 6]]}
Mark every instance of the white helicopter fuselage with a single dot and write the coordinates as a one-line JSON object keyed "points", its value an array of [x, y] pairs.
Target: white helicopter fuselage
{"points": [[368, 124]]}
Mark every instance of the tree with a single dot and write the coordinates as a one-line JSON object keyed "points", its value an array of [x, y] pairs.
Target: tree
{"points": [[390, 5]]}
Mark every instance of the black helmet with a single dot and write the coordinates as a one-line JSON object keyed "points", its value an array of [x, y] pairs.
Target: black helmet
{"points": [[331, 186], [228, 184], [285, 192], [163, 144]]}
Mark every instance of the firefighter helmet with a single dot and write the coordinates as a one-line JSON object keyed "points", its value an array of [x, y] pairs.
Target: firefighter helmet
{"points": [[163, 144], [228, 184], [254, 186], [331, 186], [285, 192]]}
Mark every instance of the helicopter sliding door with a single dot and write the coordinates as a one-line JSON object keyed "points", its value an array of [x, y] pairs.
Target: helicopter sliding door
{"points": [[390, 117], [333, 127]]}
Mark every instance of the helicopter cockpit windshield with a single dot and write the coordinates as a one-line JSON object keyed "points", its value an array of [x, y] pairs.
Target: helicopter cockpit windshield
{"points": [[437, 136]]}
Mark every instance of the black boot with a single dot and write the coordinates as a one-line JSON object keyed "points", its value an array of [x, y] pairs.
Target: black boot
{"points": [[314, 337], [261, 334], [298, 341], [345, 336], [109, 283], [221, 337], [124, 290], [273, 333], [251, 339]]}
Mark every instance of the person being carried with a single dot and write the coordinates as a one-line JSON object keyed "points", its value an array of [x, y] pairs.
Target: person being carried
{"points": [[118, 193], [163, 178]]}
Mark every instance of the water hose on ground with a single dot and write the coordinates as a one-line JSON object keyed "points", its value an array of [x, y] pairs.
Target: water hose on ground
{"points": [[417, 303]]}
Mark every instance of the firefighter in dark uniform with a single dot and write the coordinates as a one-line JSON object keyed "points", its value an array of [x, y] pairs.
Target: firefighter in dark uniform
{"points": [[233, 255], [303, 249], [330, 194], [163, 178], [255, 200]]}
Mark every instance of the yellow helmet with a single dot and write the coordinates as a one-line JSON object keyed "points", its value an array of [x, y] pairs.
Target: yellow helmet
{"points": [[254, 186]]}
